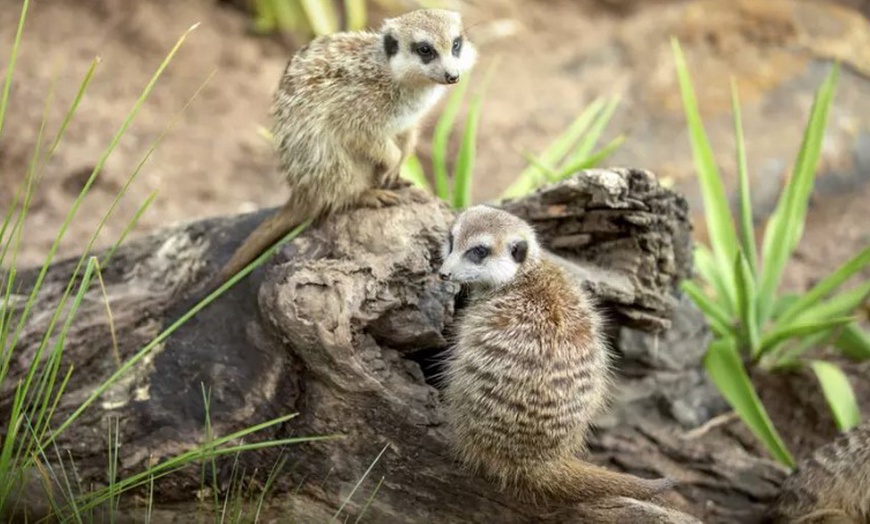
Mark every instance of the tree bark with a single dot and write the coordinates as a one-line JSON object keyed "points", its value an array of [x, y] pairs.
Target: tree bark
{"points": [[345, 327]]}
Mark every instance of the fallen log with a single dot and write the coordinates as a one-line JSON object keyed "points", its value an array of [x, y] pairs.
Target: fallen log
{"points": [[346, 326]]}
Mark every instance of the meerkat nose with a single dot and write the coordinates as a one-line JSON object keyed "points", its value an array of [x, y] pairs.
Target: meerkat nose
{"points": [[451, 78], [444, 275]]}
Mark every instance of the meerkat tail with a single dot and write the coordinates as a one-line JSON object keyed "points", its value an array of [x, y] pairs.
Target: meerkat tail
{"points": [[264, 236], [575, 480]]}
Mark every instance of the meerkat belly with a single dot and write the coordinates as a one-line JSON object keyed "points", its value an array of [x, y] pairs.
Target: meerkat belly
{"points": [[518, 409]]}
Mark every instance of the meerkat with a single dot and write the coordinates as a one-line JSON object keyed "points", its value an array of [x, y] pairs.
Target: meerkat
{"points": [[831, 486], [346, 115], [529, 369]]}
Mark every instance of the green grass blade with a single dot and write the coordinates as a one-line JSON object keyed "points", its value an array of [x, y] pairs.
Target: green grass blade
{"points": [[853, 342], [146, 350], [839, 394], [412, 171], [827, 285], [359, 483], [591, 161], [785, 227], [10, 68], [128, 228], [100, 163], [746, 304], [716, 316], [264, 18], [747, 229], [717, 214], [322, 16], [706, 265], [83, 86], [530, 177], [441, 135], [355, 13], [771, 340], [465, 159], [589, 139], [725, 368], [839, 305], [464, 172], [368, 503]]}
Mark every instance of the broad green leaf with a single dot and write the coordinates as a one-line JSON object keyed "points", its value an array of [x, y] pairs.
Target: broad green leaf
{"points": [[440, 136], [725, 368], [355, 14], [854, 342], [747, 229], [827, 285], [530, 177], [779, 334], [716, 211], [464, 173], [321, 15], [839, 394], [706, 265], [718, 319], [745, 284], [785, 227], [412, 171]]}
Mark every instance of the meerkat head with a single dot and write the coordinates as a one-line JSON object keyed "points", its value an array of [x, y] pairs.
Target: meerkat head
{"points": [[427, 46], [487, 247]]}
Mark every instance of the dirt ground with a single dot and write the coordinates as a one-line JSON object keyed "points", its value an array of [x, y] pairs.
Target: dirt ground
{"points": [[554, 57]]}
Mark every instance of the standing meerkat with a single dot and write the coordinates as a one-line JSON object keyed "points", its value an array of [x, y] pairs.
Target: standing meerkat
{"points": [[529, 369], [346, 115], [832, 486]]}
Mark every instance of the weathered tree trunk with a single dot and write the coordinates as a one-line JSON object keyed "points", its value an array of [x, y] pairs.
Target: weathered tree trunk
{"points": [[345, 327]]}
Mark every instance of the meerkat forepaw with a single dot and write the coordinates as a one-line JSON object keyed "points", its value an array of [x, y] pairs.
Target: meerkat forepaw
{"points": [[415, 195], [377, 198]]}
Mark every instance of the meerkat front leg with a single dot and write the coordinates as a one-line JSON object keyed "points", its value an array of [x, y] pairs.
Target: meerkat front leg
{"points": [[406, 141], [384, 162]]}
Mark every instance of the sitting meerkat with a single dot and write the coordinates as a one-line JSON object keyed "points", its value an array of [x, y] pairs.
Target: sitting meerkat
{"points": [[346, 115], [529, 369], [831, 486]]}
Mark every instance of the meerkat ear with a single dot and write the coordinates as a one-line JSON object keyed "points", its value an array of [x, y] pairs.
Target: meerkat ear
{"points": [[519, 251], [391, 45]]}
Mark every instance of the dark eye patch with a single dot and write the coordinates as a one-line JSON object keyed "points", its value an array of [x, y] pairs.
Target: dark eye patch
{"points": [[457, 46], [425, 51], [450, 242], [391, 45], [477, 254], [519, 251]]}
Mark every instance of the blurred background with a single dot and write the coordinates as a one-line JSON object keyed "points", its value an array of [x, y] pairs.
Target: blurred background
{"points": [[552, 59]]}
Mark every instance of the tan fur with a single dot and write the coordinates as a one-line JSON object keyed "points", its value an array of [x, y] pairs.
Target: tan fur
{"points": [[832, 486], [345, 117], [529, 369]]}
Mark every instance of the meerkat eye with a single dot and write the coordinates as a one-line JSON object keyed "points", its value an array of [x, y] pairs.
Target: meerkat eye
{"points": [[424, 50], [457, 45], [450, 242], [477, 254]]}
